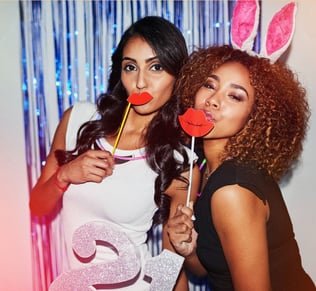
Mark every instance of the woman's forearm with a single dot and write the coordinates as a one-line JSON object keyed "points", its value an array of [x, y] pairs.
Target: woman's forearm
{"points": [[45, 196]]}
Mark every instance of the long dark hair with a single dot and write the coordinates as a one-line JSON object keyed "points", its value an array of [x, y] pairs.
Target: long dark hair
{"points": [[163, 135]]}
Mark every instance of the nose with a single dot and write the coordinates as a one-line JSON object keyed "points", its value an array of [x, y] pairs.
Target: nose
{"points": [[141, 81], [212, 102]]}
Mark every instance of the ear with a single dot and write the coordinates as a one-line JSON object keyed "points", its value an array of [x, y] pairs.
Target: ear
{"points": [[244, 24], [280, 32]]}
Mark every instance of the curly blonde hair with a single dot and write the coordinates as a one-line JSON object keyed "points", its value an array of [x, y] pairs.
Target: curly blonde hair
{"points": [[274, 133]]}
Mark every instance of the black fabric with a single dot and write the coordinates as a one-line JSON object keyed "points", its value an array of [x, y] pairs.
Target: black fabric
{"points": [[286, 271]]}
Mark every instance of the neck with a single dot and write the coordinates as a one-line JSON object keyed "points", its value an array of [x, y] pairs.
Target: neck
{"points": [[133, 132], [212, 151], [137, 120]]}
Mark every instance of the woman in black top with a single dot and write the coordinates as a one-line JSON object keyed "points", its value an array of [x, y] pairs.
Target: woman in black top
{"points": [[243, 238]]}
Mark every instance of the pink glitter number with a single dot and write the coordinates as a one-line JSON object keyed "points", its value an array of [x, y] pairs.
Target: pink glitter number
{"points": [[161, 271], [110, 274]]}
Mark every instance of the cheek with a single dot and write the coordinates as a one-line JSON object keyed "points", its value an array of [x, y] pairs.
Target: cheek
{"points": [[124, 82], [199, 100], [240, 120], [163, 89], [127, 81], [168, 88], [169, 83]]}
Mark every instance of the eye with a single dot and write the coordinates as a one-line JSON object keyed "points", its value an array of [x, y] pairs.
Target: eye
{"points": [[129, 67], [236, 97], [156, 67], [209, 85], [237, 93]]}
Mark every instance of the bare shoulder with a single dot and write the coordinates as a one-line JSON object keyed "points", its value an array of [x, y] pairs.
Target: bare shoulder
{"points": [[60, 133], [236, 205]]}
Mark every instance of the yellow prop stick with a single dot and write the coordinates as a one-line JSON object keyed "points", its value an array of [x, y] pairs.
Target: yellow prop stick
{"points": [[121, 128]]}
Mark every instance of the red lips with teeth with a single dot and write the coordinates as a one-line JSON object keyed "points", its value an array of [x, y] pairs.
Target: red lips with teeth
{"points": [[195, 123], [139, 98]]}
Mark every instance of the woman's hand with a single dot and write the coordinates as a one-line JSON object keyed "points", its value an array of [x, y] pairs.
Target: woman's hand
{"points": [[181, 232], [91, 166]]}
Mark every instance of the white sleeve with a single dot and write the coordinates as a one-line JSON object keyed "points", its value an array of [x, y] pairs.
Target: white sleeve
{"points": [[191, 154], [81, 112]]}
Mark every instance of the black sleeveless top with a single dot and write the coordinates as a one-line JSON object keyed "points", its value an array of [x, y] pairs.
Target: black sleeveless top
{"points": [[286, 272]]}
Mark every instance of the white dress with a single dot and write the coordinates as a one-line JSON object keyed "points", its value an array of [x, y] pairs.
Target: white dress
{"points": [[124, 200]]}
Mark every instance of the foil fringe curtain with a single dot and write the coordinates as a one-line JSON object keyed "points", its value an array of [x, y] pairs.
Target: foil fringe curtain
{"points": [[66, 52]]}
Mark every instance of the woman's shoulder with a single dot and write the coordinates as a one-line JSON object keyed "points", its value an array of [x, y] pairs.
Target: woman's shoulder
{"points": [[79, 113], [84, 110], [190, 153], [241, 170], [247, 175]]}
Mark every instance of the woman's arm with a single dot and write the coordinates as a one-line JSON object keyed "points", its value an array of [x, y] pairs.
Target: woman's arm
{"points": [[178, 196], [240, 220], [183, 238], [91, 166]]}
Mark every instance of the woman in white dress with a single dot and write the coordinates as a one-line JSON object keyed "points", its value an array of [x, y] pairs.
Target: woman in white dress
{"points": [[121, 185]]}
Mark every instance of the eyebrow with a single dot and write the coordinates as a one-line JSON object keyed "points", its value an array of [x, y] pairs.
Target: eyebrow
{"points": [[241, 88], [133, 60], [236, 86]]}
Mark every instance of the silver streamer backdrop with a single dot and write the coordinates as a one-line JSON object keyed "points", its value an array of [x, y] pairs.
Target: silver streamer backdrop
{"points": [[65, 55]]}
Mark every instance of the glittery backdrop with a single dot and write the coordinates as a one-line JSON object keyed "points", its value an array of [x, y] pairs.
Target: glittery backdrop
{"points": [[65, 56]]}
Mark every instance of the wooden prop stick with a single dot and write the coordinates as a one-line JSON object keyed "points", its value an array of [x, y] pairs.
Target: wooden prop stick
{"points": [[135, 99], [194, 123], [121, 128], [190, 173]]}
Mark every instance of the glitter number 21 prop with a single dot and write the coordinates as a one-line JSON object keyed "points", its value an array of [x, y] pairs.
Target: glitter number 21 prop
{"points": [[162, 270]]}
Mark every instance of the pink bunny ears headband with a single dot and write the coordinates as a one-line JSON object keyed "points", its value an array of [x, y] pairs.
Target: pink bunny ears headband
{"points": [[244, 25]]}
